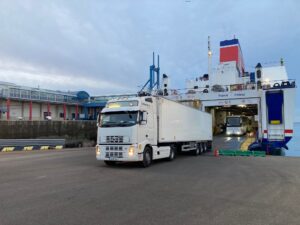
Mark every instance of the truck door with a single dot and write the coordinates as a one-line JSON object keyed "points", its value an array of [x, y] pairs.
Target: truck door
{"points": [[150, 121], [146, 127], [275, 119]]}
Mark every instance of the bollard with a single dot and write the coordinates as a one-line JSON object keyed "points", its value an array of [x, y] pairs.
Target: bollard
{"points": [[216, 152]]}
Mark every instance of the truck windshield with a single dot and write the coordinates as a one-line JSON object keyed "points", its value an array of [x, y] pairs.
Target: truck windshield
{"points": [[118, 119], [233, 121]]}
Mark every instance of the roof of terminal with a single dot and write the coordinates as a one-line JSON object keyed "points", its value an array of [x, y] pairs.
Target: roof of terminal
{"points": [[11, 90]]}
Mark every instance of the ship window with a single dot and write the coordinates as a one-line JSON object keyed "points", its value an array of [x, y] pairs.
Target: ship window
{"points": [[258, 74]]}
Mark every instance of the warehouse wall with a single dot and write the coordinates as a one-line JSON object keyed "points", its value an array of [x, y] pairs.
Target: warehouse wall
{"points": [[20, 110]]}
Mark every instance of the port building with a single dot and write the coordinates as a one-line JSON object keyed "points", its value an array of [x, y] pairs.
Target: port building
{"points": [[29, 103]]}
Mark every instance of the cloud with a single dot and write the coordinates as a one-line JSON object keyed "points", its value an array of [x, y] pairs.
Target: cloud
{"points": [[106, 46], [28, 75]]}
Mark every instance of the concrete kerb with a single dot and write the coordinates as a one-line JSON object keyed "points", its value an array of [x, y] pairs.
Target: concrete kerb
{"points": [[30, 148]]}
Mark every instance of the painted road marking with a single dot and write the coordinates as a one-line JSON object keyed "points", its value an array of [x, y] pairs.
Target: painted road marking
{"points": [[28, 148], [44, 147], [246, 143], [8, 149]]}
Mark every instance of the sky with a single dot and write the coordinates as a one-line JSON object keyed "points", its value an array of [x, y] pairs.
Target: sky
{"points": [[105, 47]]}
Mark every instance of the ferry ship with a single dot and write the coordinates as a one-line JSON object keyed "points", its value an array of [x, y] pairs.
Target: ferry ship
{"points": [[266, 96]]}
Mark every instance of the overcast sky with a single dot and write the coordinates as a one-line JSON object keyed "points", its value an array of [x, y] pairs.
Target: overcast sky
{"points": [[106, 46]]}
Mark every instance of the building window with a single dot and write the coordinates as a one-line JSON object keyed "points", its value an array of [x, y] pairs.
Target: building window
{"points": [[46, 114], [59, 98], [51, 97], [25, 94], [35, 95], [43, 96], [15, 92]]}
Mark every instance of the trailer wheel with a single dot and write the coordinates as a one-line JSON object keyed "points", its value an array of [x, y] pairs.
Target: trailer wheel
{"points": [[110, 163], [204, 146], [197, 151], [209, 146], [201, 148], [147, 159], [172, 154]]}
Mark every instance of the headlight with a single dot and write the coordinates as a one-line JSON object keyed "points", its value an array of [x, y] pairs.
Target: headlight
{"points": [[131, 151], [98, 150]]}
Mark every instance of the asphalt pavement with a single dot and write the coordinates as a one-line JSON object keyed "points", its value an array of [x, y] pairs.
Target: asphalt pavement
{"points": [[71, 187], [225, 142]]}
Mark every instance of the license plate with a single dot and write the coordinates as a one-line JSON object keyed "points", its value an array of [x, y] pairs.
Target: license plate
{"points": [[112, 159]]}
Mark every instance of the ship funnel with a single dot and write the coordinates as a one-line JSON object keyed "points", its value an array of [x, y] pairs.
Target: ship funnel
{"points": [[230, 50]]}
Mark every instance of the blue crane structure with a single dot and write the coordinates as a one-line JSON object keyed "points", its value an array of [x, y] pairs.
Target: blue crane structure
{"points": [[154, 78]]}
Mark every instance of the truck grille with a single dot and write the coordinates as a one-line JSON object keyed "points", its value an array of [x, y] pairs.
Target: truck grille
{"points": [[113, 152], [114, 139]]}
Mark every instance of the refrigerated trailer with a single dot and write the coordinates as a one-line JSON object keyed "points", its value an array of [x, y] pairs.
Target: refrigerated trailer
{"points": [[146, 128]]}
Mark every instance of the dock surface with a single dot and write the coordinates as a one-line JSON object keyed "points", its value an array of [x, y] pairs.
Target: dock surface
{"points": [[71, 187], [228, 142]]}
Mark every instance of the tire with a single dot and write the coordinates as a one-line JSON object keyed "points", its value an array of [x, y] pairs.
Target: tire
{"points": [[201, 147], [110, 163], [204, 146], [197, 151], [172, 154], [147, 158], [209, 146]]}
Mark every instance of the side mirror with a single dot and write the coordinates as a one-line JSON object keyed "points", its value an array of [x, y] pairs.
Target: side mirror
{"points": [[143, 118], [98, 120]]}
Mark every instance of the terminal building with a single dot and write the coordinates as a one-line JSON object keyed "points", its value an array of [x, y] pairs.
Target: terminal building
{"points": [[27, 103]]}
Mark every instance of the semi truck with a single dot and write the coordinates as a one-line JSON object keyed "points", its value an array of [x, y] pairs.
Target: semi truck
{"points": [[146, 128]]}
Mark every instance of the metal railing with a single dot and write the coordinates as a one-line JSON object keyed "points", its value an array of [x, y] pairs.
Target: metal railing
{"points": [[265, 85], [37, 95], [277, 84]]}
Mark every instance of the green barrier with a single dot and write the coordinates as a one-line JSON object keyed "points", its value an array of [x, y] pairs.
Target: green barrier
{"points": [[241, 153], [259, 153]]}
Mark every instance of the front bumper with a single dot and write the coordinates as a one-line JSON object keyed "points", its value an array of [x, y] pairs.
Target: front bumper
{"points": [[118, 153], [234, 133]]}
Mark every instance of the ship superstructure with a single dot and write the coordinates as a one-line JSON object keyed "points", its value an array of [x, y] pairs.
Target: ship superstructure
{"points": [[266, 96]]}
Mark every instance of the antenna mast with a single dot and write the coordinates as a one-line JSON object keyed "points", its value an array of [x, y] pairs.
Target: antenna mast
{"points": [[209, 56]]}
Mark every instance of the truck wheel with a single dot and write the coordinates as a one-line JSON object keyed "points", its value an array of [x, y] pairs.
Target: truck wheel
{"points": [[110, 163], [172, 154], [147, 159]]}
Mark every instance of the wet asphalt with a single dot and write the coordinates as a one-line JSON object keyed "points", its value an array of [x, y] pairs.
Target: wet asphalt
{"points": [[224, 142], [71, 187]]}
